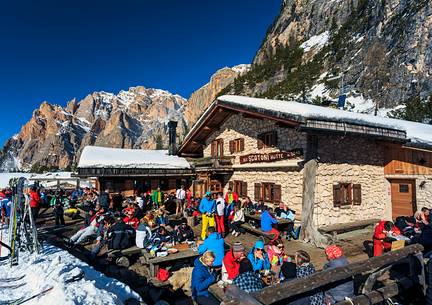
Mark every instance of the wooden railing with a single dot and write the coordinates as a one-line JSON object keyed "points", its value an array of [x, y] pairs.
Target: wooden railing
{"points": [[372, 267]]}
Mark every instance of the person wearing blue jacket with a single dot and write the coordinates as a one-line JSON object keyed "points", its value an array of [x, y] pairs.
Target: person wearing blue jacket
{"points": [[258, 257], [202, 278], [214, 243], [207, 208], [266, 224]]}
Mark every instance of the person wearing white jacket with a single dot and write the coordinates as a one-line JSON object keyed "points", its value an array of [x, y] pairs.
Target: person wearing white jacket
{"points": [[143, 235], [220, 213]]}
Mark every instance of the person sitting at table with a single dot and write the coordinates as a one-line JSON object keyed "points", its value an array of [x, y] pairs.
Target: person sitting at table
{"points": [[258, 257], [202, 278], [248, 280], [161, 237], [266, 223], [338, 290], [184, 232], [304, 269], [130, 218], [235, 220], [286, 213], [161, 218], [289, 273], [231, 262], [143, 234], [214, 243], [276, 255], [384, 235], [150, 219]]}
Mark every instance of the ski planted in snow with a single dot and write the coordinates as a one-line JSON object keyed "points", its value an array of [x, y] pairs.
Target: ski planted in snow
{"points": [[11, 279]]}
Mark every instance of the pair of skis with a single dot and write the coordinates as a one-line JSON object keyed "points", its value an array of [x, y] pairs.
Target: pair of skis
{"points": [[23, 300]]}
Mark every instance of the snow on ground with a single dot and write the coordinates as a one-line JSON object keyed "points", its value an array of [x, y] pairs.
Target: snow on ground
{"points": [[52, 267], [416, 132], [317, 41], [96, 156]]}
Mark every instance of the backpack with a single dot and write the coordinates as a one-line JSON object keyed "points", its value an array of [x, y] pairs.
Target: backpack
{"points": [[162, 275]]}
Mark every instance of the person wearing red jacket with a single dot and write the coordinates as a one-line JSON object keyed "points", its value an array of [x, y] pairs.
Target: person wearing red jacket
{"points": [[231, 262], [35, 200], [382, 237]]}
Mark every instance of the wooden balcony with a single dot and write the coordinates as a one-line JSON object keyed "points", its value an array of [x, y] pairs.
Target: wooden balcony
{"points": [[213, 163]]}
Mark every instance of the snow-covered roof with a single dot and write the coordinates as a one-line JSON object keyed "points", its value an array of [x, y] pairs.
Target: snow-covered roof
{"points": [[52, 176], [415, 132], [103, 157]]}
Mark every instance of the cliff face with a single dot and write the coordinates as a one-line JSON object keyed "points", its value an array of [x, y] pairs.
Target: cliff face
{"points": [[55, 136], [377, 52], [204, 96]]}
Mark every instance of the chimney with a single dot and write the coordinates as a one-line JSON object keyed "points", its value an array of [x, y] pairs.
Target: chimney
{"points": [[172, 127]]}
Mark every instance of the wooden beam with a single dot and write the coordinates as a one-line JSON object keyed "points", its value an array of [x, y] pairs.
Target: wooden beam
{"points": [[273, 294], [381, 294], [198, 143]]}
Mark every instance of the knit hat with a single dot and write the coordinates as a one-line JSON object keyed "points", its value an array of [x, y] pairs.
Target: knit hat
{"points": [[289, 270], [237, 247], [259, 244], [333, 252], [208, 193]]}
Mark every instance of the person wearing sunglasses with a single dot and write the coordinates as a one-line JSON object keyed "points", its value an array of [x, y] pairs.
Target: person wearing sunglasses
{"points": [[276, 255], [258, 257]]}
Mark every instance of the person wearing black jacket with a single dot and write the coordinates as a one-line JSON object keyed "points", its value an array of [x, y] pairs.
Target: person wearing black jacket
{"points": [[184, 232], [120, 235], [104, 200]]}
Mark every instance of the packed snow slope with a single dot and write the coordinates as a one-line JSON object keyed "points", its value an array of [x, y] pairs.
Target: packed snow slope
{"points": [[54, 266]]}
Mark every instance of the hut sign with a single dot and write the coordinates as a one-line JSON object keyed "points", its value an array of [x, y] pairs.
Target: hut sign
{"points": [[271, 157]]}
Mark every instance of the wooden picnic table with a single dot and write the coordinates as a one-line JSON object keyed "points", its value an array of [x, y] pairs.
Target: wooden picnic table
{"points": [[281, 221], [217, 292], [154, 262]]}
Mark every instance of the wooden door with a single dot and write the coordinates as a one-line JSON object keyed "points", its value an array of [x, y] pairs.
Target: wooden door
{"points": [[403, 198]]}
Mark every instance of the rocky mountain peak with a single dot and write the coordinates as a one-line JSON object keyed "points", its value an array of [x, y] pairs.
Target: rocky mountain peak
{"points": [[55, 136]]}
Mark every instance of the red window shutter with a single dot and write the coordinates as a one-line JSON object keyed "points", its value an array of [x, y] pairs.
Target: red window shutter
{"points": [[277, 191], [221, 148], [243, 189], [232, 146], [357, 194], [260, 141], [213, 148], [337, 195], [241, 144], [349, 192], [257, 192], [231, 185]]}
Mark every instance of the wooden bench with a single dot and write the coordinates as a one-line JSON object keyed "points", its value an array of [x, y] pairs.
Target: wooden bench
{"points": [[154, 262], [346, 227], [256, 231]]}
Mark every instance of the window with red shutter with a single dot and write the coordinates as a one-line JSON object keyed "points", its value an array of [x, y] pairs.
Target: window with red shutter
{"points": [[267, 139], [217, 148], [337, 197], [243, 189], [277, 192], [257, 192], [232, 146], [242, 144]]}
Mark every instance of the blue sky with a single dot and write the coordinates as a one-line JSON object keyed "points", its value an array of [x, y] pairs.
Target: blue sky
{"points": [[57, 50]]}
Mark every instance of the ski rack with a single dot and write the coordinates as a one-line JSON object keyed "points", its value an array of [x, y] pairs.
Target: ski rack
{"points": [[22, 222]]}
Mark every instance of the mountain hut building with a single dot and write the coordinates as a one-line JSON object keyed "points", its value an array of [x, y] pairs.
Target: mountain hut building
{"points": [[368, 166]]}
